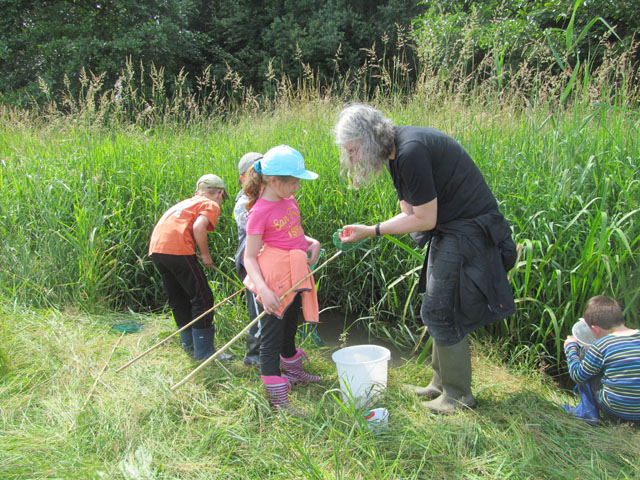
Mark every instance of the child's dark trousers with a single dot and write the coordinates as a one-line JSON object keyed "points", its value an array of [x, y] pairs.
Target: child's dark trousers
{"points": [[278, 338], [186, 287]]}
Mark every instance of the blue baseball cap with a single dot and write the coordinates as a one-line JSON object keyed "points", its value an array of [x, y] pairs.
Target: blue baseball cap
{"points": [[284, 160]]}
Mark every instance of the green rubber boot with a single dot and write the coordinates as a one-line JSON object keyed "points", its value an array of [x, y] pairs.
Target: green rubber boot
{"points": [[434, 389], [455, 373]]}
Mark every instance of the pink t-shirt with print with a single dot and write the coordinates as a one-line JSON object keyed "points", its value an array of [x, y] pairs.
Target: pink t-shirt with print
{"points": [[278, 223]]}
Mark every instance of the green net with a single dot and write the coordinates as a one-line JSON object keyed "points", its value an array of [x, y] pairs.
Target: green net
{"points": [[308, 333], [128, 327], [345, 247]]}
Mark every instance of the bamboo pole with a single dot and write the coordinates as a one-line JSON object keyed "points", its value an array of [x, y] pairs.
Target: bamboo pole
{"points": [[249, 325], [180, 330]]}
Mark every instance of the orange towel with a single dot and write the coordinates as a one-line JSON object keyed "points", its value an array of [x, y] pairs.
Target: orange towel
{"points": [[281, 270]]}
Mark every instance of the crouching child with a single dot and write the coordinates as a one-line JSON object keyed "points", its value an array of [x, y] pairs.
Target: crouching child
{"points": [[611, 365]]}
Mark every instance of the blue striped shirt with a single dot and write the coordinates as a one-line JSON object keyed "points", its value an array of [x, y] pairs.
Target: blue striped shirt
{"points": [[617, 358]]}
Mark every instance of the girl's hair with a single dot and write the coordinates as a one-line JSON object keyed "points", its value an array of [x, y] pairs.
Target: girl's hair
{"points": [[377, 136], [254, 183], [604, 312]]}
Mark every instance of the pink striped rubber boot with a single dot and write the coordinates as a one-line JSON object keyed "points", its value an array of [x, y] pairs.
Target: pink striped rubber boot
{"points": [[278, 388], [292, 367]]}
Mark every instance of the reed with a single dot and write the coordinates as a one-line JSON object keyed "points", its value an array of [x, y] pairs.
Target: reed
{"points": [[83, 183]]}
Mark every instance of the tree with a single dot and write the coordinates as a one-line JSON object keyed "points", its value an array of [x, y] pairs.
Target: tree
{"points": [[513, 26], [52, 39]]}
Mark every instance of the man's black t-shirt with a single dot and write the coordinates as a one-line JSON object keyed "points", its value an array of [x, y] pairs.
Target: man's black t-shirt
{"points": [[430, 164]]}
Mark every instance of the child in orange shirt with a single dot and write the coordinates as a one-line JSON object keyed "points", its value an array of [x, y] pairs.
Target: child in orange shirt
{"points": [[173, 251]]}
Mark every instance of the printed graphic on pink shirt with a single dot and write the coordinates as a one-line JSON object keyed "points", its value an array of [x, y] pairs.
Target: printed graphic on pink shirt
{"points": [[290, 223], [278, 223]]}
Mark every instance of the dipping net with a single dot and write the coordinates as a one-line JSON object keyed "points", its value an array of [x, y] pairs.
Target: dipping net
{"points": [[128, 327], [346, 247]]}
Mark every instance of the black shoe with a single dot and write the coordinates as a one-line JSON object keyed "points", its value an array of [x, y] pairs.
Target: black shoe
{"points": [[251, 361]]}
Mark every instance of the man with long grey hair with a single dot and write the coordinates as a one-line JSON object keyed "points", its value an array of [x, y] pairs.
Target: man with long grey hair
{"points": [[371, 137], [444, 200]]}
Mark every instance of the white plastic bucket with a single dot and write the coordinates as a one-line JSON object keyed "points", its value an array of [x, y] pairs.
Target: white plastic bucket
{"points": [[582, 332], [362, 371]]}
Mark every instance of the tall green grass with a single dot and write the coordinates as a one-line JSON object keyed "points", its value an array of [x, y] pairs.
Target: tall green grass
{"points": [[567, 182], [78, 207], [83, 183]]}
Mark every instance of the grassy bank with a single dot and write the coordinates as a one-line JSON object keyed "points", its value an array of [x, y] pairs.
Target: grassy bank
{"points": [[218, 425]]}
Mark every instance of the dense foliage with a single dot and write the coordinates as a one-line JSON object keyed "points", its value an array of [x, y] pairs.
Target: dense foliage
{"points": [[515, 28], [45, 45], [250, 39]]}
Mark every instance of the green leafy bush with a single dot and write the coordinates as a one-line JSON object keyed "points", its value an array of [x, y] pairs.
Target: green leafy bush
{"points": [[517, 41]]}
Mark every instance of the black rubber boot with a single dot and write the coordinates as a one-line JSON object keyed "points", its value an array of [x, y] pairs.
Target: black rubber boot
{"points": [[203, 344], [186, 339], [252, 353]]}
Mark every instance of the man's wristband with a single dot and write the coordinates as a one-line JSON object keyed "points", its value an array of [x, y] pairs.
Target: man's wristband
{"points": [[377, 229]]}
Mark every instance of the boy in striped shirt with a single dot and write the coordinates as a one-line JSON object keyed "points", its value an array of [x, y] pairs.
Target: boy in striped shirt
{"points": [[611, 364]]}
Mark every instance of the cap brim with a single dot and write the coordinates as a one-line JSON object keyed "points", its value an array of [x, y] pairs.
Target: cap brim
{"points": [[307, 175]]}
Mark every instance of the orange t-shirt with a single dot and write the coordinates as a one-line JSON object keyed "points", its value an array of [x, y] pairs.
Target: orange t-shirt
{"points": [[173, 234], [281, 270]]}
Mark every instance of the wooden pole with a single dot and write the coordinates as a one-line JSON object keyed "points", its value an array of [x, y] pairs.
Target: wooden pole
{"points": [[180, 330], [246, 328]]}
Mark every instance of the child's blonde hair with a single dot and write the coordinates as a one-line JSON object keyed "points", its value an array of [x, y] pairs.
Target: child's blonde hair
{"points": [[254, 183], [603, 312]]}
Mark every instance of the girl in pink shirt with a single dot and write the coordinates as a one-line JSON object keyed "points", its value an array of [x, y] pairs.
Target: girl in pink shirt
{"points": [[275, 259]]}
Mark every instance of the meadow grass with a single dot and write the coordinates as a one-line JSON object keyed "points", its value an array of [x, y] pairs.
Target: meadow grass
{"points": [[219, 425]]}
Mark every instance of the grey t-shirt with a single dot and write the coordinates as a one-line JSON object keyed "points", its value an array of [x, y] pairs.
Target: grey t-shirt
{"points": [[240, 216]]}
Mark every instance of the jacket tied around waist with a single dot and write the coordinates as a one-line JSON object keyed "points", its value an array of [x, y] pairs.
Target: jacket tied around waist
{"points": [[281, 270]]}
